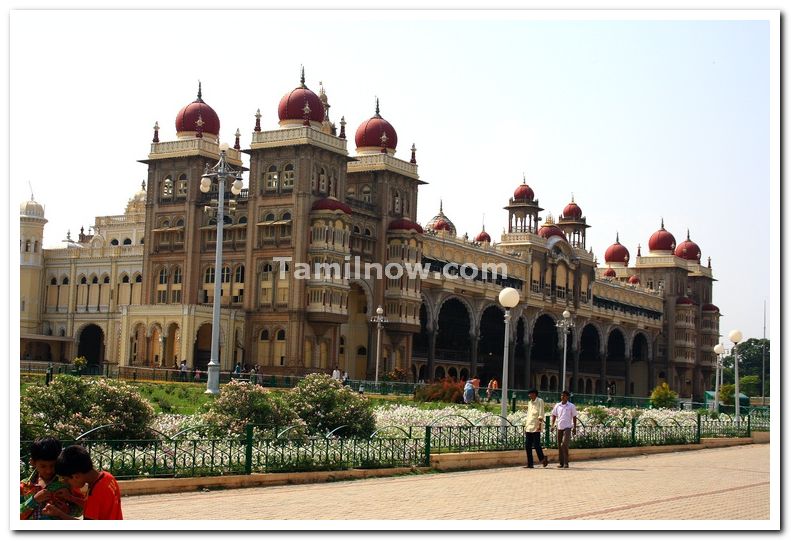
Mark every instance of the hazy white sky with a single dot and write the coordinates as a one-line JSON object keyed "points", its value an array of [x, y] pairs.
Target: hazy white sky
{"points": [[639, 119]]}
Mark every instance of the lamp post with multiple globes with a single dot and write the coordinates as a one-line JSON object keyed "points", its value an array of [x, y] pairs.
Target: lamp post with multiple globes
{"points": [[509, 298]]}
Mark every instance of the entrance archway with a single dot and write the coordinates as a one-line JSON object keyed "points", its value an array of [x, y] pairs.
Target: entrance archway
{"points": [[453, 334], [616, 360], [639, 371], [202, 353], [91, 346], [491, 343], [545, 354]]}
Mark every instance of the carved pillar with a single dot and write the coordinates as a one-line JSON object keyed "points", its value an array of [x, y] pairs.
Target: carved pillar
{"points": [[432, 342], [163, 349], [627, 376], [474, 338], [575, 370], [602, 388]]}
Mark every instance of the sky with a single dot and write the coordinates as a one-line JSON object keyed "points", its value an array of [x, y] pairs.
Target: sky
{"points": [[640, 120]]}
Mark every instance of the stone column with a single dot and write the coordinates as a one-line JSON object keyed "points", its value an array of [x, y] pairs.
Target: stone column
{"points": [[432, 342], [528, 379], [474, 338], [575, 370], [163, 349], [627, 375], [603, 374]]}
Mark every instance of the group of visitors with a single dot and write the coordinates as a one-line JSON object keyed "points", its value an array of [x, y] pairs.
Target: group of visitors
{"points": [[563, 419], [336, 375], [65, 485], [472, 386]]}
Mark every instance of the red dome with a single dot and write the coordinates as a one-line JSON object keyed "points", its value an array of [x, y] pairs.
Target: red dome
{"points": [[634, 279], [710, 308], [610, 272], [662, 240], [617, 253], [572, 211], [440, 222], [688, 250], [483, 236], [331, 204], [404, 224], [524, 192], [684, 300], [442, 225], [369, 134], [551, 230], [187, 119], [292, 105]]}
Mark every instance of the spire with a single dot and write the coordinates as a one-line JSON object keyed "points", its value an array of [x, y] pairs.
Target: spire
{"points": [[31, 191], [572, 197], [413, 160], [343, 128], [236, 144], [377, 109], [638, 250], [156, 133], [687, 233], [524, 178], [200, 94], [709, 261], [257, 120], [143, 186], [440, 205], [617, 241], [302, 78], [663, 223], [483, 222]]}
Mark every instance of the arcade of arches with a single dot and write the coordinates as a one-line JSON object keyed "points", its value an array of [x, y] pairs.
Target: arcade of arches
{"points": [[460, 342]]}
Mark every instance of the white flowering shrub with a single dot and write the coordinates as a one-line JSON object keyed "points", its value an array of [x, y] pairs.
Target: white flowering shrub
{"points": [[324, 404]]}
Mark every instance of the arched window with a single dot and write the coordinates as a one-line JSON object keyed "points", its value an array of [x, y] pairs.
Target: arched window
{"points": [[163, 276], [366, 193], [362, 351], [27, 245], [264, 335], [288, 176], [367, 232], [53, 282], [351, 192], [114, 242], [281, 335], [242, 219], [65, 281], [226, 275], [83, 280], [165, 223], [177, 275], [239, 275], [183, 186], [322, 180], [95, 280], [167, 187], [106, 280], [208, 276], [138, 279], [141, 240], [127, 242], [180, 222], [356, 229], [271, 178], [125, 279], [35, 246]]}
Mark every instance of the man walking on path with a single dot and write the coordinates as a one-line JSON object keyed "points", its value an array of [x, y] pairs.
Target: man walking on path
{"points": [[564, 416], [534, 421]]}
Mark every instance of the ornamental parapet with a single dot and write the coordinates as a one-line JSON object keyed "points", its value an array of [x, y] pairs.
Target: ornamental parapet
{"points": [[383, 162], [303, 135], [193, 147]]}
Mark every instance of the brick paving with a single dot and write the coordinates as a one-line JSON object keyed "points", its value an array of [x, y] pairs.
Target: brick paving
{"points": [[725, 483]]}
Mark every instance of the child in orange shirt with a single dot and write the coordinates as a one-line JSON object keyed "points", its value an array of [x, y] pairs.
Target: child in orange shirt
{"points": [[74, 465]]}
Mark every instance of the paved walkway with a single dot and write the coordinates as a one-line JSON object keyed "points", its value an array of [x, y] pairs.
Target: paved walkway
{"points": [[726, 483]]}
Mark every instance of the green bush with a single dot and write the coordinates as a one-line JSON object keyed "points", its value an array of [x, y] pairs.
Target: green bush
{"points": [[72, 405], [750, 385], [598, 414], [239, 404], [324, 404], [726, 393], [663, 397]]}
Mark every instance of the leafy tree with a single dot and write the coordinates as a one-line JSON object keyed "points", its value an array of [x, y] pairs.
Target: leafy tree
{"points": [[750, 385], [663, 397], [726, 393], [751, 354]]}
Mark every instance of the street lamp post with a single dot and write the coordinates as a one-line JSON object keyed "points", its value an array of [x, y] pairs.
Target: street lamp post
{"points": [[719, 349], [736, 337], [509, 298], [380, 320], [220, 172], [565, 325]]}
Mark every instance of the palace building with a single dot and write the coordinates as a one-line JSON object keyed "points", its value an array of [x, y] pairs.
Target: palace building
{"points": [[138, 289]]}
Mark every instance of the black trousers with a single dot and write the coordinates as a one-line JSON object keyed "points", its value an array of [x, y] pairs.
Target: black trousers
{"points": [[533, 441]]}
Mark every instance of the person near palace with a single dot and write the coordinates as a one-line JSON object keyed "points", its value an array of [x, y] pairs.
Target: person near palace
{"points": [[534, 423], [564, 418]]}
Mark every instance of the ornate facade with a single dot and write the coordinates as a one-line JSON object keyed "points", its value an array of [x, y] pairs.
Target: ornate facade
{"points": [[138, 290]]}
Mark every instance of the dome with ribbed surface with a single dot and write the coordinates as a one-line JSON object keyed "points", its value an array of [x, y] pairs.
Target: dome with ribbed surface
{"points": [[291, 109], [610, 272], [404, 224], [617, 253], [197, 118], [331, 204], [440, 222], [662, 240], [688, 250], [375, 133]]}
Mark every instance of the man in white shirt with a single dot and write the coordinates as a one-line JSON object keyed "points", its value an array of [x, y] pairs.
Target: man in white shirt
{"points": [[534, 421], [564, 416], [336, 374]]}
